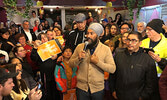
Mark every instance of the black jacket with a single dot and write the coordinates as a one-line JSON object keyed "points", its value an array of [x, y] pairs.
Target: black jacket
{"points": [[135, 76], [75, 37], [46, 67], [32, 33], [5, 46]]}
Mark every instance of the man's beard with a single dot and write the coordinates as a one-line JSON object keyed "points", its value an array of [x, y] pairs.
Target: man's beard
{"points": [[93, 43], [140, 31]]}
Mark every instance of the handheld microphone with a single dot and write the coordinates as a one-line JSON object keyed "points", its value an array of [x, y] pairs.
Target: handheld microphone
{"points": [[85, 47], [86, 44]]}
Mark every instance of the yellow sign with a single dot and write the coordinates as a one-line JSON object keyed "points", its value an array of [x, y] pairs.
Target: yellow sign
{"points": [[48, 49], [71, 95], [60, 38]]}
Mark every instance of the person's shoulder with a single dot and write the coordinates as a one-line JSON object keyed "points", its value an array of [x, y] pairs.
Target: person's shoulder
{"points": [[120, 50], [103, 46], [72, 32], [145, 40], [81, 45], [145, 55]]}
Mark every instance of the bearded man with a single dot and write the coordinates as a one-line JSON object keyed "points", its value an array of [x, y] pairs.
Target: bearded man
{"points": [[92, 63]]}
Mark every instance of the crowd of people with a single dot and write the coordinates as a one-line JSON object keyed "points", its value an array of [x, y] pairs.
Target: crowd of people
{"points": [[101, 61]]}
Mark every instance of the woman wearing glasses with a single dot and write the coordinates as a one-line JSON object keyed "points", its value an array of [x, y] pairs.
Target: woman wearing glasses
{"points": [[20, 53]]}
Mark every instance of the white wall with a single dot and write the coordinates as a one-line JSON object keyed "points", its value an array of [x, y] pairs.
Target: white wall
{"points": [[112, 13]]}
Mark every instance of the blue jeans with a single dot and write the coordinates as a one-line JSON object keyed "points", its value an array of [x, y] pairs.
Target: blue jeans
{"points": [[83, 95]]}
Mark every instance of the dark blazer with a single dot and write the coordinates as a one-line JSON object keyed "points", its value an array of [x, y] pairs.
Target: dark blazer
{"points": [[32, 33]]}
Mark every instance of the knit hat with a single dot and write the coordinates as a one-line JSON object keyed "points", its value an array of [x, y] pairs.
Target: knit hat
{"points": [[97, 28], [80, 17], [156, 25]]}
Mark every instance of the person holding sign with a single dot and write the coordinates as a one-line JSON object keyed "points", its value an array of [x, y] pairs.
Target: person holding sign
{"points": [[46, 68]]}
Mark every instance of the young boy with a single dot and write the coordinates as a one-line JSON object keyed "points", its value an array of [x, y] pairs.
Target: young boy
{"points": [[65, 76]]}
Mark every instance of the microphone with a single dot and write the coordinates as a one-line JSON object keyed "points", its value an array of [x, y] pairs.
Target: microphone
{"points": [[86, 44]]}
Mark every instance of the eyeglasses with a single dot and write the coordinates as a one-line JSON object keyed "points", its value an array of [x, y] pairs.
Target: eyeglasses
{"points": [[133, 41]]}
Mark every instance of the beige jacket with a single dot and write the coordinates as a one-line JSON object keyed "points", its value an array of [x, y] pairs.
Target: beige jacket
{"points": [[91, 75]]}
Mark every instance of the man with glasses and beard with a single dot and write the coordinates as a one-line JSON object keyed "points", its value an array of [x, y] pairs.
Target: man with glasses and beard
{"points": [[93, 61], [135, 77]]}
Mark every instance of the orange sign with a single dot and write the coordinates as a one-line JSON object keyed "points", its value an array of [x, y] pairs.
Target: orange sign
{"points": [[48, 49], [60, 38], [71, 95]]}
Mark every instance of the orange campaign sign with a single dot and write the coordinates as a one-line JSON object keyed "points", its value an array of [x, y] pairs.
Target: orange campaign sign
{"points": [[60, 38], [46, 50], [71, 95]]}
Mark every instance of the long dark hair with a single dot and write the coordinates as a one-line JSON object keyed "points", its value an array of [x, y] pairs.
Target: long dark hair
{"points": [[22, 86], [120, 19], [59, 28], [109, 27], [39, 27]]}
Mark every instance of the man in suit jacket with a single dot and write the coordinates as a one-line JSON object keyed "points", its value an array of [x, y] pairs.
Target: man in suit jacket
{"points": [[29, 34]]}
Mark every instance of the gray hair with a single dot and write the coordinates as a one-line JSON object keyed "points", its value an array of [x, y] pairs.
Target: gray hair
{"points": [[144, 23], [25, 21]]}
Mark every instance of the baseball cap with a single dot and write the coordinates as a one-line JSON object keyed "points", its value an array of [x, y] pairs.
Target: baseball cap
{"points": [[5, 74], [105, 20], [80, 17]]}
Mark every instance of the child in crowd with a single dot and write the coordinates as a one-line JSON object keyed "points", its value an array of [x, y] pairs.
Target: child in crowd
{"points": [[65, 76]]}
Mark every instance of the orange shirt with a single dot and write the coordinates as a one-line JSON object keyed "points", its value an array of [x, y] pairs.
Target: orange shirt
{"points": [[68, 74]]}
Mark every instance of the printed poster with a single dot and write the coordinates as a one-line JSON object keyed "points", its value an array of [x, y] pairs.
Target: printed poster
{"points": [[60, 38], [71, 95], [46, 50]]}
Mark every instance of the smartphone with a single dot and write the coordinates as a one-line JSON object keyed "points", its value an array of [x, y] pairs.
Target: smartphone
{"points": [[38, 87], [148, 49]]}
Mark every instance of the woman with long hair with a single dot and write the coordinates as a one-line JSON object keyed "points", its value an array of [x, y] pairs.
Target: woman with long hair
{"points": [[118, 19], [113, 42], [20, 53], [20, 90], [106, 34]]}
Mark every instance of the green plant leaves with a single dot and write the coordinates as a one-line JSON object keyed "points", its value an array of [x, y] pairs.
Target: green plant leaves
{"points": [[11, 8]]}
